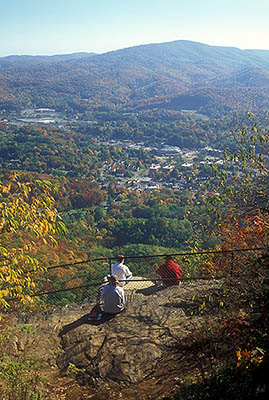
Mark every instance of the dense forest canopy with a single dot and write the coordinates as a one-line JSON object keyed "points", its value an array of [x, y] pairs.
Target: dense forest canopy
{"points": [[175, 75]]}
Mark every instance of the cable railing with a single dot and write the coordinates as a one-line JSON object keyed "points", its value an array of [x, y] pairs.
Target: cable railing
{"points": [[144, 275], [110, 259]]}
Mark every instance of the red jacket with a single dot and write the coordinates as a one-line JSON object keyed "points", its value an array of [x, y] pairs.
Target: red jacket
{"points": [[170, 272]]}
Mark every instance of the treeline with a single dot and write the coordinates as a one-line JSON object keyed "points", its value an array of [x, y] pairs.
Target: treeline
{"points": [[161, 218]]}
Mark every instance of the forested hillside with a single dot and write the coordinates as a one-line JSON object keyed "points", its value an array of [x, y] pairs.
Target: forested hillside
{"points": [[175, 75]]}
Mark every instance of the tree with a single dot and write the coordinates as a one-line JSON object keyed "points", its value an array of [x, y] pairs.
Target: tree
{"points": [[240, 198], [242, 181], [28, 208]]}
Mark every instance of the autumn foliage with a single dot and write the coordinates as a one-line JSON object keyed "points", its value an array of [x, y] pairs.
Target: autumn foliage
{"points": [[28, 208]]}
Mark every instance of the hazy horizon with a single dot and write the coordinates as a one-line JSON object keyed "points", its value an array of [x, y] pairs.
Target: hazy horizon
{"points": [[35, 27], [144, 44]]}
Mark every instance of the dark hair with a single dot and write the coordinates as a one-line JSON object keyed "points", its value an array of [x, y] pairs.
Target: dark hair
{"points": [[120, 257], [112, 280]]}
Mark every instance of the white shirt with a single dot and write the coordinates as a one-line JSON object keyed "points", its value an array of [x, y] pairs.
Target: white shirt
{"points": [[121, 272]]}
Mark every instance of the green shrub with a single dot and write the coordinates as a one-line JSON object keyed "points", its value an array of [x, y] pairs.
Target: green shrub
{"points": [[20, 380]]}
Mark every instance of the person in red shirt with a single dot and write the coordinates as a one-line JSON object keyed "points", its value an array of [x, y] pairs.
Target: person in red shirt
{"points": [[170, 272]]}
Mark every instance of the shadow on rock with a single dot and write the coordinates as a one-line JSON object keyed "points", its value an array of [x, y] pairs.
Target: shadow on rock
{"points": [[151, 290], [86, 320]]}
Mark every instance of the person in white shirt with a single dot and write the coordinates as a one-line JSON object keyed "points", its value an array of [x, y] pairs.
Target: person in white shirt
{"points": [[113, 297], [121, 271]]}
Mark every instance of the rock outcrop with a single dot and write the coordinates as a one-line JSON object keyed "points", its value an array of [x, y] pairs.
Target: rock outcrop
{"points": [[123, 350], [128, 347]]}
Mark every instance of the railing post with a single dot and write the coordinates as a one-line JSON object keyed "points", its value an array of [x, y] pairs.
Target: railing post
{"points": [[232, 267], [110, 266]]}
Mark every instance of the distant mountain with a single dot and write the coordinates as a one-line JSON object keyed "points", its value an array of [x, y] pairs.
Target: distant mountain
{"points": [[147, 76], [26, 59]]}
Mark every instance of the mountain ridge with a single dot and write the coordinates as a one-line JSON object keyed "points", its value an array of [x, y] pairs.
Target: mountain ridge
{"points": [[134, 76], [176, 42]]}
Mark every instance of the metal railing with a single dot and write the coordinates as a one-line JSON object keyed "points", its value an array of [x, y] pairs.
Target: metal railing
{"points": [[196, 265]]}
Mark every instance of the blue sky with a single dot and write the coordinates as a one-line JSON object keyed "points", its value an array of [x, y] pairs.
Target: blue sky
{"points": [[67, 26]]}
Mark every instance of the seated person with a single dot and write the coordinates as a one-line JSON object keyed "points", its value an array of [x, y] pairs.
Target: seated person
{"points": [[113, 297], [170, 272], [121, 272]]}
